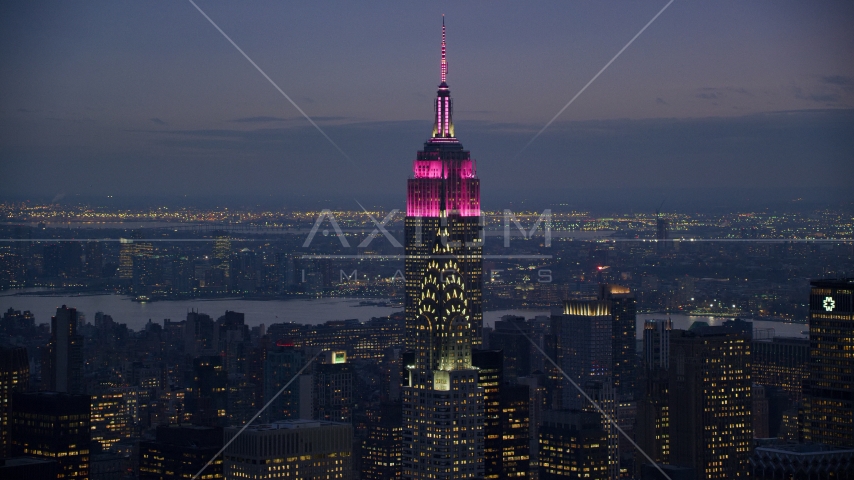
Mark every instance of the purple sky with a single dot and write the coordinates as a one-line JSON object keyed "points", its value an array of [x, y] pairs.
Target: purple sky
{"points": [[147, 98]]}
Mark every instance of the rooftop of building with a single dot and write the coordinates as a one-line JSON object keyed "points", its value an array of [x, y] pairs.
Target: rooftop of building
{"points": [[290, 425], [833, 282], [803, 449]]}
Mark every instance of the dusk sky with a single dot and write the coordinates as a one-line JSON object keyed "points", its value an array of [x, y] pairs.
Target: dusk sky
{"points": [[149, 99]]}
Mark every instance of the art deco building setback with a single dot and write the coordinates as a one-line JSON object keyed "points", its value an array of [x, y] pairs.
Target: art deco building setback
{"points": [[442, 402], [295, 449]]}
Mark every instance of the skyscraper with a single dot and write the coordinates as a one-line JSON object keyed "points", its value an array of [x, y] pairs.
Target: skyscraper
{"points": [[573, 445], [207, 396], [711, 428], [445, 178], [623, 334], [583, 347], [64, 361], [14, 378], [829, 396], [54, 426], [442, 402], [653, 416]]}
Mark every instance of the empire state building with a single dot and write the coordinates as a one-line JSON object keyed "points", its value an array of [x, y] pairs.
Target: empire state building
{"points": [[442, 403]]}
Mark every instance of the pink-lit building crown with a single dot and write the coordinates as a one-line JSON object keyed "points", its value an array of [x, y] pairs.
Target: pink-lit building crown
{"points": [[443, 160]]}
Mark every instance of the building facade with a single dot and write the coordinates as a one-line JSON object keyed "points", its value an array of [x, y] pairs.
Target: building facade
{"points": [[443, 404], [295, 449], [829, 395], [64, 360], [14, 378], [54, 426], [711, 425], [180, 451]]}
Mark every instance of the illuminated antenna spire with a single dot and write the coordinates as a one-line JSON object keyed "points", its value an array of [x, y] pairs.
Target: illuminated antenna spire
{"points": [[444, 61]]}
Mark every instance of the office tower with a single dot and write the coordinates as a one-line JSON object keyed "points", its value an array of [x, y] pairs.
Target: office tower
{"points": [[442, 402], [111, 417], [242, 399], [295, 449], [759, 410], [199, 334], [490, 377], [603, 393], [710, 400], [382, 448], [537, 404], [583, 347], [505, 419], [54, 426], [444, 178], [573, 446], [662, 233], [179, 452], [652, 430], [281, 365], [232, 342], [222, 256], [829, 395], [515, 432], [781, 362], [64, 361], [332, 394], [15, 323], [127, 250], [14, 378], [623, 337], [207, 395], [509, 337]]}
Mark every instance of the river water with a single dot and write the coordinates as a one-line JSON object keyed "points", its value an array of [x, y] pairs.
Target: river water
{"points": [[305, 311]]}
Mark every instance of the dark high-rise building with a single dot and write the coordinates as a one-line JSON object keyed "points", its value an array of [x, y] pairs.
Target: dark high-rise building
{"points": [[64, 362], [829, 394], [583, 347], [383, 445], [509, 337], [652, 429], [490, 377], [54, 426], [515, 432], [506, 421], [442, 402], [280, 366], [781, 362], [623, 335], [14, 378], [179, 452], [332, 393], [207, 396], [710, 400], [573, 446]]}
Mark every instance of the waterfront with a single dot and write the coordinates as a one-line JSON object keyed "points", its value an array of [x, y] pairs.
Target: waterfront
{"points": [[306, 311]]}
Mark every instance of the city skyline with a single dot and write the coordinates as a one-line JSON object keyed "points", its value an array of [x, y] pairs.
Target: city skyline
{"points": [[709, 339], [706, 90]]}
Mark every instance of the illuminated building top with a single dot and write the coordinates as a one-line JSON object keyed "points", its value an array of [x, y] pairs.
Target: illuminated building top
{"points": [[443, 157]]}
